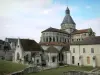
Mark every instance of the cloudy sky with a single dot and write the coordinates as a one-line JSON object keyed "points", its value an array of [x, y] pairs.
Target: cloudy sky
{"points": [[27, 18]]}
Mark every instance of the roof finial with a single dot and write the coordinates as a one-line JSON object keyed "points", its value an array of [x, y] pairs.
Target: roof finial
{"points": [[67, 10]]}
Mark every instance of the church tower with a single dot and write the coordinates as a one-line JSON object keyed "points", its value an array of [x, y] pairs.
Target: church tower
{"points": [[68, 23]]}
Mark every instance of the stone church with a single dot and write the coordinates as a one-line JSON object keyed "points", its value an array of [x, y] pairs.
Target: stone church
{"points": [[64, 46], [56, 43]]}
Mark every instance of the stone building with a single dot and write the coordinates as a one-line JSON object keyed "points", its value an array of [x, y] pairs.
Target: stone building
{"points": [[56, 42], [86, 52], [28, 51]]}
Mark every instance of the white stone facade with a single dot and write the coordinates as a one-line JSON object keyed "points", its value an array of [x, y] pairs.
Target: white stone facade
{"points": [[84, 55], [19, 55]]}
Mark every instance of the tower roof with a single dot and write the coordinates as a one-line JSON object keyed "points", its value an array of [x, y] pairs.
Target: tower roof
{"points": [[68, 19]]}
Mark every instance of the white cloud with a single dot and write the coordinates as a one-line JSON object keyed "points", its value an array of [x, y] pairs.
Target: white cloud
{"points": [[27, 18]]}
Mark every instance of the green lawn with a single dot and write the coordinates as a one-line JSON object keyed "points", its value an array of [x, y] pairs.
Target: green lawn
{"points": [[59, 71], [9, 67]]}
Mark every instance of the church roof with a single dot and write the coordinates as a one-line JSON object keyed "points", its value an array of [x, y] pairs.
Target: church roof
{"points": [[68, 19], [54, 30], [88, 41], [81, 31], [52, 49], [30, 45], [53, 44]]}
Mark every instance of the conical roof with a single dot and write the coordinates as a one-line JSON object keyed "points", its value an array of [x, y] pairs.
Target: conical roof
{"points": [[68, 19]]}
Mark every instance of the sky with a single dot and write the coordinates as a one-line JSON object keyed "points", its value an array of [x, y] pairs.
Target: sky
{"points": [[28, 18]]}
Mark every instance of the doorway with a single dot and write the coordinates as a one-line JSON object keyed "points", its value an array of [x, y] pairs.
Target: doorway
{"points": [[73, 60]]}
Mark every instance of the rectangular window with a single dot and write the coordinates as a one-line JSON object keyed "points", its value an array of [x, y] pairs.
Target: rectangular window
{"points": [[73, 50], [92, 50], [83, 50]]}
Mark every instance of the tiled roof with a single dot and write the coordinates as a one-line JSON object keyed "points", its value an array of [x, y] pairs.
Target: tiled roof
{"points": [[54, 30], [52, 49], [88, 41], [53, 43], [80, 31], [30, 45]]}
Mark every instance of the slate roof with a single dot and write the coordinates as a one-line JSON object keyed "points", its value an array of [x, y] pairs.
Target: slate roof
{"points": [[88, 41], [52, 49], [1, 42], [81, 31], [68, 19], [54, 30], [30, 45]]}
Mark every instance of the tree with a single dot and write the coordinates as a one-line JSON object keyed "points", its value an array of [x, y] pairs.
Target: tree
{"points": [[91, 33]]}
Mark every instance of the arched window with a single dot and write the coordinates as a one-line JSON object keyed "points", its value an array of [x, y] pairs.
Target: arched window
{"points": [[49, 39], [57, 39], [53, 39], [46, 39], [26, 58], [18, 56]]}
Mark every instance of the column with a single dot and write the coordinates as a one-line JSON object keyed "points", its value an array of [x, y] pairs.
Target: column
{"points": [[45, 39], [55, 39], [48, 39], [52, 38]]}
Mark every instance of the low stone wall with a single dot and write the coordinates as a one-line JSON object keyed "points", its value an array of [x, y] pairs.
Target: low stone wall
{"points": [[80, 73], [26, 71]]}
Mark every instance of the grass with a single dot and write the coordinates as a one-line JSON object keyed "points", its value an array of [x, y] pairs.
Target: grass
{"points": [[59, 71], [9, 67]]}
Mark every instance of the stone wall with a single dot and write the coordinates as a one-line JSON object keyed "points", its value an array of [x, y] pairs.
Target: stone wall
{"points": [[80, 73], [26, 71]]}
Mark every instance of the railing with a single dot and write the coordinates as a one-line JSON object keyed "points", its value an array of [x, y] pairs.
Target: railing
{"points": [[80, 73]]}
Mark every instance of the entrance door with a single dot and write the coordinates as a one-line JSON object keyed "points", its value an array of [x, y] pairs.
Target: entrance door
{"points": [[73, 59], [88, 60]]}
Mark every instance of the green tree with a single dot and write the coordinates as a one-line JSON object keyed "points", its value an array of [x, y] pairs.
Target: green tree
{"points": [[91, 33]]}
